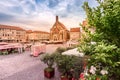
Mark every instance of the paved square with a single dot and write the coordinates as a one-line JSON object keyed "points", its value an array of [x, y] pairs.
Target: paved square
{"points": [[24, 67]]}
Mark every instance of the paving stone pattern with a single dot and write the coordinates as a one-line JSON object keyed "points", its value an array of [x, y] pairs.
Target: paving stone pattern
{"points": [[24, 67]]}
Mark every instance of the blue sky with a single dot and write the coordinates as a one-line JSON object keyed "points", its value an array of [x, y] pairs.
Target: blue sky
{"points": [[40, 14]]}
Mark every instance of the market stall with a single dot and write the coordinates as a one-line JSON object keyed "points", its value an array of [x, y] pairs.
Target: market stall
{"points": [[36, 50], [73, 52], [10, 48]]}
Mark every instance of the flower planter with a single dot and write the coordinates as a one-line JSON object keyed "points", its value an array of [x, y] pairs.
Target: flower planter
{"points": [[64, 78], [49, 72], [97, 78], [70, 78], [82, 77]]}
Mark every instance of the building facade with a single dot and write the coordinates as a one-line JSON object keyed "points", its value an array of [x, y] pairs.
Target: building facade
{"points": [[86, 25], [59, 32], [37, 36], [12, 34], [75, 34]]}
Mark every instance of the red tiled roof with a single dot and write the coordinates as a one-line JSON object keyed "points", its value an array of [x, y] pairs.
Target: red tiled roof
{"points": [[84, 23], [18, 28], [11, 27], [40, 32], [74, 29], [29, 31]]}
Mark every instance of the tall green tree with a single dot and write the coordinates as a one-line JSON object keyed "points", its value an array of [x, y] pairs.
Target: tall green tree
{"points": [[106, 19]]}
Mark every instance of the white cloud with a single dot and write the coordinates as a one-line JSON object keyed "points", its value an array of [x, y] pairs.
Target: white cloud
{"points": [[41, 17]]}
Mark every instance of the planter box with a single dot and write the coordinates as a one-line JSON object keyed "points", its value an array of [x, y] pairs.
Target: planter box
{"points": [[49, 73], [64, 78]]}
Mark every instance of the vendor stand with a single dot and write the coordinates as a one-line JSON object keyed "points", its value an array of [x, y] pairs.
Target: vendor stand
{"points": [[36, 50]]}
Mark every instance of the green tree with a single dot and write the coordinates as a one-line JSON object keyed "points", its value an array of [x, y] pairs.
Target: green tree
{"points": [[106, 19]]}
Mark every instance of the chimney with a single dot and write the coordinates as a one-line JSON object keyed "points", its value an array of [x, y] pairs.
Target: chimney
{"points": [[56, 18]]}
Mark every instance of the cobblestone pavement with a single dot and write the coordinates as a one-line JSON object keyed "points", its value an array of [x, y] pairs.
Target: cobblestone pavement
{"points": [[51, 48], [23, 66]]}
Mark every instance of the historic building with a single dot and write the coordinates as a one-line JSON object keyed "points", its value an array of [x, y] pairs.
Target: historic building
{"points": [[17, 34], [86, 24], [12, 34], [34, 36], [59, 32], [75, 34]]}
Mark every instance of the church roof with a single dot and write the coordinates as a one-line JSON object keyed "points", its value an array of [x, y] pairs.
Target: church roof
{"points": [[58, 25]]}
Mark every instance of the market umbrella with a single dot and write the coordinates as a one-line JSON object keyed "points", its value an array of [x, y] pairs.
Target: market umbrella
{"points": [[73, 52]]}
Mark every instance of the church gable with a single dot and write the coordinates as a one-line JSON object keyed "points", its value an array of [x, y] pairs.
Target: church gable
{"points": [[55, 30], [58, 26], [58, 32], [55, 27]]}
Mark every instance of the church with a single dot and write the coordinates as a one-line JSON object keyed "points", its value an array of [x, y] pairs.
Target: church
{"points": [[59, 32]]}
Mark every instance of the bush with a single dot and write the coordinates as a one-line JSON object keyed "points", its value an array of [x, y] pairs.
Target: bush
{"points": [[105, 57], [5, 52], [49, 69], [68, 48], [66, 63], [48, 59], [87, 48], [60, 49], [0, 52]]}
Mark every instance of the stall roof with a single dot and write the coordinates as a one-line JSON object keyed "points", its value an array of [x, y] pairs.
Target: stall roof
{"points": [[73, 52]]}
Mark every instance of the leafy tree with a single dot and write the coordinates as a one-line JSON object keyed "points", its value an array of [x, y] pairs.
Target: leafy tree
{"points": [[106, 19]]}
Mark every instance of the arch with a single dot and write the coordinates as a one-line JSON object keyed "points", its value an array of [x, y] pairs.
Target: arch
{"points": [[55, 38]]}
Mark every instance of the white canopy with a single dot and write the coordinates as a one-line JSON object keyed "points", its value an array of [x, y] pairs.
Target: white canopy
{"points": [[73, 52]]}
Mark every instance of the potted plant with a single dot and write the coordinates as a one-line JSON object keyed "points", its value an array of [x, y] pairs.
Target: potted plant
{"points": [[63, 77], [60, 49], [5, 52], [49, 60], [66, 66]]}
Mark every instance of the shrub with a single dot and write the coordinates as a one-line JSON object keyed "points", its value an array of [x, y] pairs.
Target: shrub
{"points": [[0, 52], [67, 63], [5, 52], [106, 57], [60, 49], [48, 59]]}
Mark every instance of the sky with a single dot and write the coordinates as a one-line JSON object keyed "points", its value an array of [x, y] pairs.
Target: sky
{"points": [[40, 14]]}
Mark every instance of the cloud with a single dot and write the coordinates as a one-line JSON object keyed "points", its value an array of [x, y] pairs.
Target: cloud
{"points": [[4, 17], [40, 14]]}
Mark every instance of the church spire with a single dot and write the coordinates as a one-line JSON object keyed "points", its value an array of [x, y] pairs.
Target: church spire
{"points": [[56, 18]]}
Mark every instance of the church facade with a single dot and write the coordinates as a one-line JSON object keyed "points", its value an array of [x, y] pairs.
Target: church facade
{"points": [[59, 32]]}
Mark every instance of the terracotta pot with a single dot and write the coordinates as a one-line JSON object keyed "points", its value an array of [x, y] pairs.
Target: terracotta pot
{"points": [[49, 74], [70, 78], [64, 78], [85, 61], [97, 78]]}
